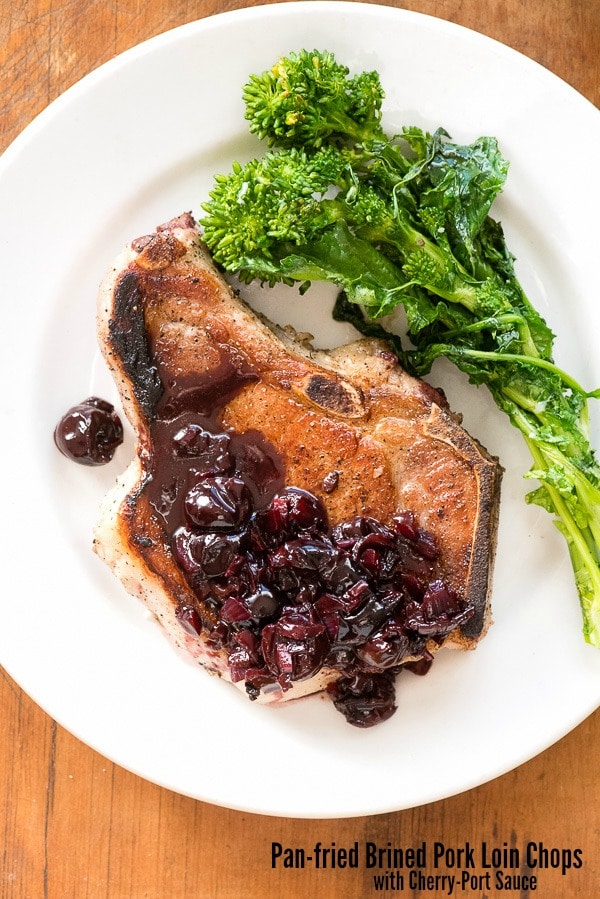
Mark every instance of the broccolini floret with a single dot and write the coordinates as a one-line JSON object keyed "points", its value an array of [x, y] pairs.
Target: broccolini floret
{"points": [[272, 199], [308, 97]]}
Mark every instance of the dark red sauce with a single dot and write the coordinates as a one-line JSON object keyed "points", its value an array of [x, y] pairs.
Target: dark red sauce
{"points": [[204, 475], [277, 588]]}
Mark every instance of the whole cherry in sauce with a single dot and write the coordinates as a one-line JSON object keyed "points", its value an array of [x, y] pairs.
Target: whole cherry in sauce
{"points": [[90, 432], [218, 502]]}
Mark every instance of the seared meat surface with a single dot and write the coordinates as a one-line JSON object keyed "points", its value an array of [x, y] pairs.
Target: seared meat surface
{"points": [[217, 396]]}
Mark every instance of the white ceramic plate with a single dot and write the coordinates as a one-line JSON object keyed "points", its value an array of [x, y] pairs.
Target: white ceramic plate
{"points": [[137, 142]]}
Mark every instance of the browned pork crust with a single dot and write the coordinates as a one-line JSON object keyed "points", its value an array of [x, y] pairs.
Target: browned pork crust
{"points": [[350, 424]]}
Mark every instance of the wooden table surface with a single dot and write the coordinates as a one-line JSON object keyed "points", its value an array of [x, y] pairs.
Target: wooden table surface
{"points": [[72, 823]]}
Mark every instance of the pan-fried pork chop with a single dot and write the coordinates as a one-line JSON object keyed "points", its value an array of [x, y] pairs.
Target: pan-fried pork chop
{"points": [[296, 519]]}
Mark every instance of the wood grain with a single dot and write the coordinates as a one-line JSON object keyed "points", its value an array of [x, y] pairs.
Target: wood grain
{"points": [[74, 824]]}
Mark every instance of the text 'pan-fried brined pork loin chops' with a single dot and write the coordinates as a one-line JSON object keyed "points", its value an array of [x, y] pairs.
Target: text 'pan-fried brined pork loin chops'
{"points": [[298, 520]]}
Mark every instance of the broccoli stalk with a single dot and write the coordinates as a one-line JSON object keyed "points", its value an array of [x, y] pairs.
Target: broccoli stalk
{"points": [[405, 220]]}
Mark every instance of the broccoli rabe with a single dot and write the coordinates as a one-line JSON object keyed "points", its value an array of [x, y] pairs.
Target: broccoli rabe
{"points": [[404, 219], [286, 215]]}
